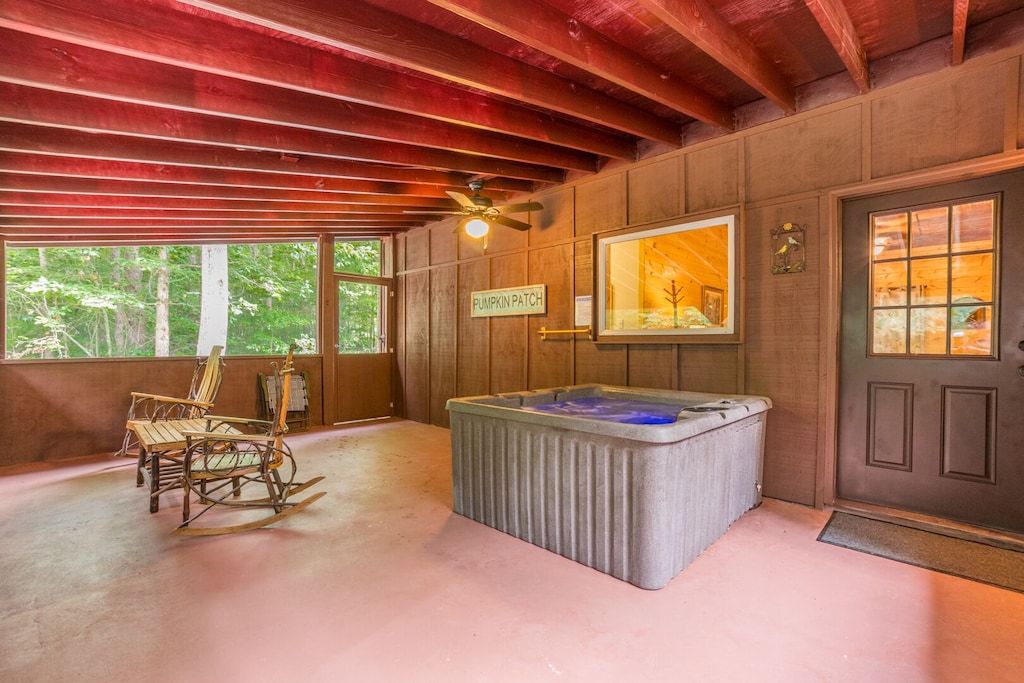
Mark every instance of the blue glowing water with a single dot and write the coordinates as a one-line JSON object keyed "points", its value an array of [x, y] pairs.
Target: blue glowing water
{"points": [[627, 411]]}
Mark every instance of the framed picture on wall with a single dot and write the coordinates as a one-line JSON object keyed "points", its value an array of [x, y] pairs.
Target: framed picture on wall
{"points": [[713, 305]]}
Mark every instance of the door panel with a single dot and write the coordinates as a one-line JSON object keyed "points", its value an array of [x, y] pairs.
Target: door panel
{"points": [[364, 386], [890, 420], [931, 401], [363, 377]]}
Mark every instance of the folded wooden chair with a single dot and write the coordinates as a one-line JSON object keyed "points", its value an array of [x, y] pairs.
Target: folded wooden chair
{"points": [[298, 399], [217, 468]]}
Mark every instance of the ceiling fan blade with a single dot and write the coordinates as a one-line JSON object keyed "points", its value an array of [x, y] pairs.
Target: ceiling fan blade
{"points": [[509, 222], [519, 208], [462, 199], [434, 213]]}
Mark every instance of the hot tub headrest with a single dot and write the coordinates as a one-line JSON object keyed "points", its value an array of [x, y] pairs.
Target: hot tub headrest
{"points": [[720, 407]]}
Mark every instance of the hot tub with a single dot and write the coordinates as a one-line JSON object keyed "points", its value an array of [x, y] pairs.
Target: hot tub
{"points": [[636, 501]]}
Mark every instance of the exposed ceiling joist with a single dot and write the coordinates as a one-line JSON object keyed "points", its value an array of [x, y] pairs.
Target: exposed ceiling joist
{"points": [[19, 104], [960, 10], [165, 36], [43, 141], [835, 21], [35, 235], [698, 22], [143, 224], [23, 204], [166, 118], [37, 62], [57, 184], [546, 29], [357, 27]]}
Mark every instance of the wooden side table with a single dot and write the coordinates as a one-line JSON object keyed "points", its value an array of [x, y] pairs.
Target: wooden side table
{"points": [[161, 450]]}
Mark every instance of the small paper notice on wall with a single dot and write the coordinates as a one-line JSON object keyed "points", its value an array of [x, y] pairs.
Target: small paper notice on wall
{"points": [[583, 310]]}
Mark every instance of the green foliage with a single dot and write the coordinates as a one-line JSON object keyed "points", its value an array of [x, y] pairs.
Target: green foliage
{"points": [[273, 297], [357, 258], [103, 301], [359, 303], [358, 322]]}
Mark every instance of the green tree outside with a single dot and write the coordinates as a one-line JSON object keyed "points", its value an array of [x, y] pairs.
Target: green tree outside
{"points": [[101, 302], [359, 303]]}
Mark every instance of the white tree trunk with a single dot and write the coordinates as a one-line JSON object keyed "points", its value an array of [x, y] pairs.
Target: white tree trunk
{"points": [[213, 316], [162, 333]]}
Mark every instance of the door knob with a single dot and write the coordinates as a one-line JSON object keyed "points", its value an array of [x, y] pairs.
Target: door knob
{"points": [[1020, 371]]}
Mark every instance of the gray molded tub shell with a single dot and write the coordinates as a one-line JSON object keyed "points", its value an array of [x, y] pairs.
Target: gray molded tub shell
{"points": [[638, 502]]}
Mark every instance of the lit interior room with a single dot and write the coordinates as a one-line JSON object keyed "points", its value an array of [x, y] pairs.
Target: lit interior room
{"points": [[458, 341]]}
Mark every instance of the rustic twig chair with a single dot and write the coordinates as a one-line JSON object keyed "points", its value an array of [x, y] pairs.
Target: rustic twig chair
{"points": [[206, 379], [217, 467]]}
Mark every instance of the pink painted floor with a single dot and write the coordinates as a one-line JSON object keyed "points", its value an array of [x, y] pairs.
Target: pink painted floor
{"points": [[380, 581]]}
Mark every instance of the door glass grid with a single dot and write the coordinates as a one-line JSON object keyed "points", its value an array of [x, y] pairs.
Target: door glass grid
{"points": [[933, 274]]}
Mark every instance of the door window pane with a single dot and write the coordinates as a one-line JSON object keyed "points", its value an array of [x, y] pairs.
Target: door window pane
{"points": [[928, 280], [890, 284], [889, 236], [890, 331], [928, 331], [972, 276], [946, 306], [973, 226], [358, 257], [929, 231], [972, 334], [360, 317]]}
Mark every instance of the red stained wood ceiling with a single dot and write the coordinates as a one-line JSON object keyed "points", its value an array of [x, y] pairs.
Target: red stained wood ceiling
{"points": [[247, 117]]}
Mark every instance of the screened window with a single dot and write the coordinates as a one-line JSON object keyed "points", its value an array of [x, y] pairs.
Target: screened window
{"points": [[362, 297], [361, 257], [933, 275], [160, 300]]}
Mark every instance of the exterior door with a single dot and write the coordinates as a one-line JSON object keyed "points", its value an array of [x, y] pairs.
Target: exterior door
{"points": [[931, 405], [363, 379]]}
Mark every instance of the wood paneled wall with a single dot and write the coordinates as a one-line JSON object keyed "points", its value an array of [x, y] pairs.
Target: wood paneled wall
{"points": [[785, 171], [59, 409]]}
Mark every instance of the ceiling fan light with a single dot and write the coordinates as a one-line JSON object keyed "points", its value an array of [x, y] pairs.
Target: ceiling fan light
{"points": [[476, 227]]}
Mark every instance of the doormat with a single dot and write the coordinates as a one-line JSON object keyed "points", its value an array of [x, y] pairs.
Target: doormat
{"points": [[971, 560]]}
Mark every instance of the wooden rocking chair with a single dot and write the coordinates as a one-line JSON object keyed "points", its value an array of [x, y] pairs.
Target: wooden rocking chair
{"points": [[218, 466]]}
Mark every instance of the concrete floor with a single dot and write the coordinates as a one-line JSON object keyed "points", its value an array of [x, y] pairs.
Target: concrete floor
{"points": [[380, 581]]}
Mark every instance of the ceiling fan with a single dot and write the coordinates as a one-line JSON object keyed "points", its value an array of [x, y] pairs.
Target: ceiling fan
{"points": [[480, 211]]}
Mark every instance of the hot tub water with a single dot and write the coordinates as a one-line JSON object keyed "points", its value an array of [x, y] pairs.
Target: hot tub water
{"points": [[626, 411]]}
